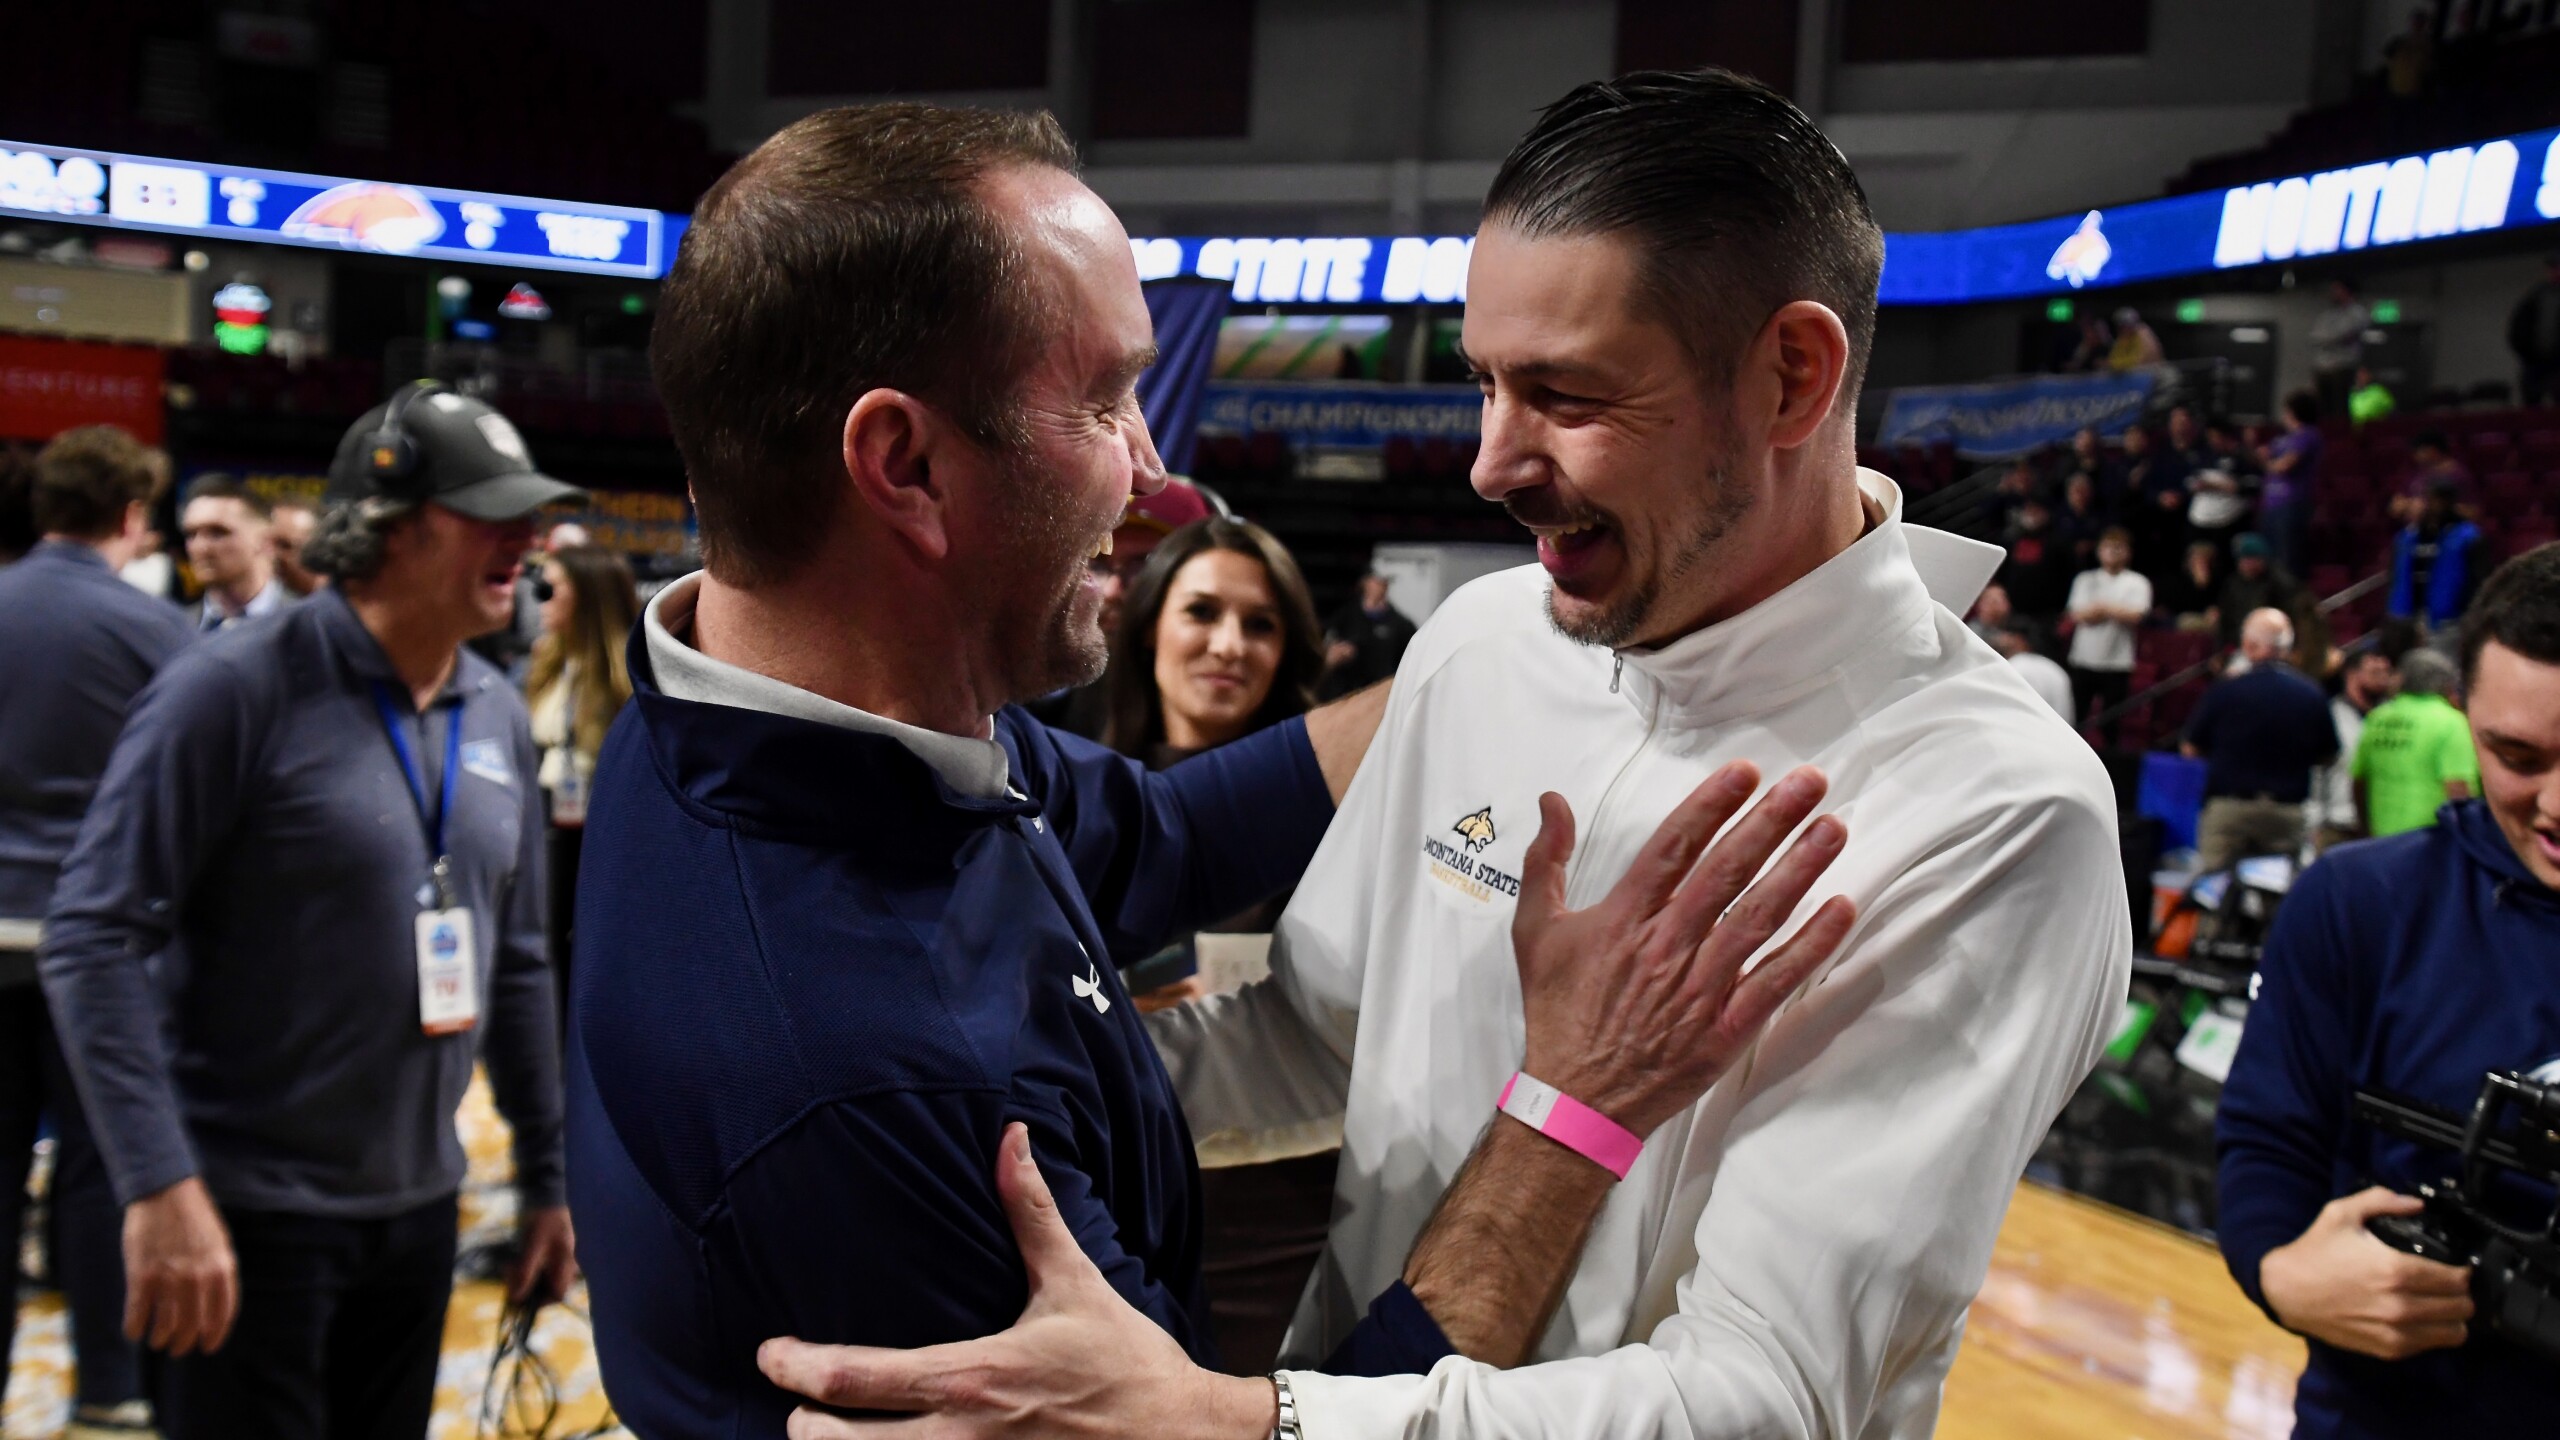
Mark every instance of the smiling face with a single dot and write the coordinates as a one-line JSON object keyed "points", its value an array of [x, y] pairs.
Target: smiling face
{"points": [[451, 572], [2514, 704], [1035, 516], [1218, 644], [1602, 438]]}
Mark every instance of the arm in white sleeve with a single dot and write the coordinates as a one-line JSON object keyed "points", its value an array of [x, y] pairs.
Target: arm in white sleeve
{"points": [[1866, 1164]]}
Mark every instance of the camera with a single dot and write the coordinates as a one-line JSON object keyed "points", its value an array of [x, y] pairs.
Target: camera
{"points": [[2513, 1131]]}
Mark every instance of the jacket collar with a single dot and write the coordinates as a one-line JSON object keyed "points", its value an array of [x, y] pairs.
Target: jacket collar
{"points": [[787, 774], [69, 552], [1805, 636], [971, 766]]}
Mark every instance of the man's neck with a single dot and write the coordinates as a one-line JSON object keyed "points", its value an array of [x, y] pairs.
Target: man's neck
{"points": [[817, 634], [235, 596], [421, 649], [116, 550], [1804, 538]]}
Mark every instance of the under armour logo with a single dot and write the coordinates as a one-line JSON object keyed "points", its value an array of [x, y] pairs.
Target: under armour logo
{"points": [[1089, 987]]}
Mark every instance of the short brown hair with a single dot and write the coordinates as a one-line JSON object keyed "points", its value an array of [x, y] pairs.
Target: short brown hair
{"points": [[215, 485], [86, 478], [847, 253], [2519, 608]]}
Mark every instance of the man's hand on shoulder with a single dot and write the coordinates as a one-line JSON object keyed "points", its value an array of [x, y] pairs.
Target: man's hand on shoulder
{"points": [[2340, 1285], [1081, 1362]]}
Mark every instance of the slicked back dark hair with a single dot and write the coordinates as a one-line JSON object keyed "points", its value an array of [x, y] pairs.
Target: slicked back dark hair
{"points": [[1738, 203], [849, 252], [2519, 608]]}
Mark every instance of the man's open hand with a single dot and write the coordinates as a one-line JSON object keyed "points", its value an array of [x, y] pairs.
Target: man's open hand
{"points": [[2339, 1284], [1081, 1362], [1636, 1005]]}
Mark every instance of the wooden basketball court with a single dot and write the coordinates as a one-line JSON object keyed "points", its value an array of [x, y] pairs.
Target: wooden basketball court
{"points": [[2094, 1323]]}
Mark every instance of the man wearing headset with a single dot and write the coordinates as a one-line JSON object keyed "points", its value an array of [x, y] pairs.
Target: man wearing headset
{"points": [[308, 896]]}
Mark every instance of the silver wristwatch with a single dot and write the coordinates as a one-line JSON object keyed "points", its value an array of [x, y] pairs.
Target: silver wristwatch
{"points": [[1287, 1426]]}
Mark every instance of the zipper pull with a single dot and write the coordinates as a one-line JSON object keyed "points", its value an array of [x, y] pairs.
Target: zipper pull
{"points": [[1616, 670]]}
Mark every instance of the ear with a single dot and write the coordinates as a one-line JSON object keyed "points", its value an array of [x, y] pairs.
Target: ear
{"points": [[1807, 351], [892, 442]]}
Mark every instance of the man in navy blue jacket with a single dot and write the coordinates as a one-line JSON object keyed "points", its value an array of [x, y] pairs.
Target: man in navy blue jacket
{"points": [[847, 916], [2413, 964]]}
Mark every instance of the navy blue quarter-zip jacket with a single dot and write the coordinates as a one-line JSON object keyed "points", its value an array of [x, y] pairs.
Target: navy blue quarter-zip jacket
{"points": [[2415, 964], [814, 983]]}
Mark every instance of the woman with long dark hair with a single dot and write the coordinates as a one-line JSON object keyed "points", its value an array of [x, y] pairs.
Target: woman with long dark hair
{"points": [[1217, 639], [578, 682]]}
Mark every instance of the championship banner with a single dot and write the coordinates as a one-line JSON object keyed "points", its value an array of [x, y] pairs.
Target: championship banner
{"points": [[49, 386], [632, 522], [1345, 415], [636, 523], [2011, 417]]}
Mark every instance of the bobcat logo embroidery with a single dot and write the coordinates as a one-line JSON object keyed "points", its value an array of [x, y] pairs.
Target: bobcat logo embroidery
{"points": [[1466, 868], [1477, 829], [1089, 987]]}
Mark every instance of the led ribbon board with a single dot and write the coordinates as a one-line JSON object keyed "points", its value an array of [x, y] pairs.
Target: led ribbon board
{"points": [[2501, 184], [279, 207], [2467, 189]]}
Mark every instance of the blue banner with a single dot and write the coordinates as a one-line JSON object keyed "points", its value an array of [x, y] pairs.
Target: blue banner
{"points": [[1350, 415], [2012, 417], [1187, 315]]}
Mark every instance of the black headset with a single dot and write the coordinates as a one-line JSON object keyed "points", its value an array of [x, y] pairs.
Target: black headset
{"points": [[389, 452]]}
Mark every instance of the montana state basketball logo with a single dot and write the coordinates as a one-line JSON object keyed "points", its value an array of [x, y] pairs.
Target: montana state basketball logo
{"points": [[365, 215], [1477, 828], [1462, 867]]}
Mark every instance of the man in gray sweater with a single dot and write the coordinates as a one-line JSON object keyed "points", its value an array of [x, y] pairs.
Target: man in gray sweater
{"points": [[309, 890]]}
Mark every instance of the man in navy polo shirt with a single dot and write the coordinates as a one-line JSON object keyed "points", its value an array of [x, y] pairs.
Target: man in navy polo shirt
{"points": [[307, 899], [848, 917]]}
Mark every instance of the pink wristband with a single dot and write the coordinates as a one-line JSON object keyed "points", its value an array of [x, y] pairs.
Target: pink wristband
{"points": [[1570, 1123]]}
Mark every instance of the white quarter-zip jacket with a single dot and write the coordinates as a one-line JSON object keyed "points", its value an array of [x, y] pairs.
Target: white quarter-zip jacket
{"points": [[1794, 1255]]}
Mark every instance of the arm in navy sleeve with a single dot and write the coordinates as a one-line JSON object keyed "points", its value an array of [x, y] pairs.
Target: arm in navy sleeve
{"points": [[1163, 853], [875, 1221], [2285, 1106], [173, 789], [523, 1049]]}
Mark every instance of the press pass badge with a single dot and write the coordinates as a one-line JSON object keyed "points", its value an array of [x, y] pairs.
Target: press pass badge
{"points": [[448, 972]]}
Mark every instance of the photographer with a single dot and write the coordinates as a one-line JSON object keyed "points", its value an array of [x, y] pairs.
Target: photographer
{"points": [[2414, 964]]}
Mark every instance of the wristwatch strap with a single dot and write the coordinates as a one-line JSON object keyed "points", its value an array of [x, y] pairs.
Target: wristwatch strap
{"points": [[1286, 1428], [1570, 1123]]}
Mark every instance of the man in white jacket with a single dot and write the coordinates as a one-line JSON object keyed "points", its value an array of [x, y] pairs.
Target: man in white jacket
{"points": [[1670, 306]]}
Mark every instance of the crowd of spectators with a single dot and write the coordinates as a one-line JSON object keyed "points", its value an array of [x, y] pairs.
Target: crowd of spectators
{"points": [[2166, 591]]}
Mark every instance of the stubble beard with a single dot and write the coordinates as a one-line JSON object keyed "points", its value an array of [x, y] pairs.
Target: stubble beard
{"points": [[1615, 625], [1051, 641]]}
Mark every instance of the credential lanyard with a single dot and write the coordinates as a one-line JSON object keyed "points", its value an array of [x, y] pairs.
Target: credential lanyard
{"points": [[433, 825]]}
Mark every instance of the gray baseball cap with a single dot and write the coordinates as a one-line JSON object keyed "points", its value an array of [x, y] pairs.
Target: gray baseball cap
{"points": [[445, 449]]}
